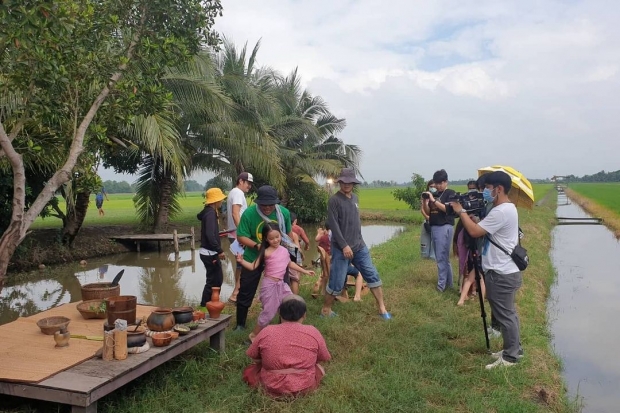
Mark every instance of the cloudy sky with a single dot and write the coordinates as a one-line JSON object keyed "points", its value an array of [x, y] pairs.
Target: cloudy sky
{"points": [[453, 84]]}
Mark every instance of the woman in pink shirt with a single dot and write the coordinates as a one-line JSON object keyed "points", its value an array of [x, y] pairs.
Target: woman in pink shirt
{"points": [[287, 355]]}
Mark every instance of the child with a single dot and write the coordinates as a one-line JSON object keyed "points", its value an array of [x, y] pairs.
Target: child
{"points": [[276, 260]]}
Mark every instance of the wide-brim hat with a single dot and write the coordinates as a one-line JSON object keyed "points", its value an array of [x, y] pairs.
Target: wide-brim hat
{"points": [[347, 176], [267, 195], [214, 195]]}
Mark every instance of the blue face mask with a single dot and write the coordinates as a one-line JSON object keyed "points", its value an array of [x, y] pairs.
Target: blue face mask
{"points": [[486, 194], [432, 190]]}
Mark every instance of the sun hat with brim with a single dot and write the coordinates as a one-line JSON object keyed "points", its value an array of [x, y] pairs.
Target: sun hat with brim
{"points": [[214, 195], [267, 195], [347, 176]]}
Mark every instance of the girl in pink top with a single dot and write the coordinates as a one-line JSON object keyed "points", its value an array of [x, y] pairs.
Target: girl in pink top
{"points": [[276, 261]]}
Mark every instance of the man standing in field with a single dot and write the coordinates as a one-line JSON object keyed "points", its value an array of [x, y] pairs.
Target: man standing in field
{"points": [[99, 201], [502, 276], [235, 205], [348, 247]]}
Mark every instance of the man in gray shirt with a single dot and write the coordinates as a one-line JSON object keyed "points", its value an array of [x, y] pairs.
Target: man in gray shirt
{"points": [[348, 246]]}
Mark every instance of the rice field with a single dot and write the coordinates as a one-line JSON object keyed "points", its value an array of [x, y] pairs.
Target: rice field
{"points": [[606, 195]]}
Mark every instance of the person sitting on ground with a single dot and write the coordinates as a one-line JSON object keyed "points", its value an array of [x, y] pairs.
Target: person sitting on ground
{"points": [[287, 355], [275, 260]]}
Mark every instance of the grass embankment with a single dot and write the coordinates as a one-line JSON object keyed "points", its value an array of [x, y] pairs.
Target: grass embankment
{"points": [[429, 358], [600, 200]]}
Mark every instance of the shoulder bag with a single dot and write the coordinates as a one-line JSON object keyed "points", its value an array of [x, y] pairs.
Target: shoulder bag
{"points": [[518, 255]]}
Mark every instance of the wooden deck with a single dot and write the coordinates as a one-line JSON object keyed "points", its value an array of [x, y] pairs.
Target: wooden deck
{"points": [[82, 385], [159, 238]]}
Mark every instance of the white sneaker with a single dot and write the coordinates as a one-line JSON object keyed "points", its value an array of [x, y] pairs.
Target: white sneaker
{"points": [[500, 362], [493, 333], [499, 354]]}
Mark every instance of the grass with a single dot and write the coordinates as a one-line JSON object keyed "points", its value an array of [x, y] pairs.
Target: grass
{"points": [[429, 358], [599, 200]]}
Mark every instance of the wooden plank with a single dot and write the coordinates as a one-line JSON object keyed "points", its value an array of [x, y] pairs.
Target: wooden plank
{"points": [[151, 237], [82, 385]]}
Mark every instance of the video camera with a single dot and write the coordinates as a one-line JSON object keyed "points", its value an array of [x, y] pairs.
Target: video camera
{"points": [[473, 202]]}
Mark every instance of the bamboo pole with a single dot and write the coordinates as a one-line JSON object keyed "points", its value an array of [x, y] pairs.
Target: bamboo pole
{"points": [[108, 346], [193, 238]]}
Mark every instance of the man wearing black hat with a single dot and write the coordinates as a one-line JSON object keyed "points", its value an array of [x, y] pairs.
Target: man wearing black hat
{"points": [[249, 235], [236, 204], [348, 246]]}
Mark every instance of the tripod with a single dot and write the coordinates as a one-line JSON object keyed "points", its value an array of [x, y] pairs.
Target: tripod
{"points": [[473, 250]]}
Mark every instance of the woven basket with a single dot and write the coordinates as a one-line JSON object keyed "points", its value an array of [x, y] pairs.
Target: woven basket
{"points": [[98, 291], [50, 325], [86, 308]]}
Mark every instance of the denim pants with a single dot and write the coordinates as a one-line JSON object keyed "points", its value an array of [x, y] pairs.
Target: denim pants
{"points": [[441, 236], [501, 292], [340, 266]]}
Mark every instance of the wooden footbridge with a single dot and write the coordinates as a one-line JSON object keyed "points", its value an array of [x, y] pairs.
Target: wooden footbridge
{"points": [[175, 238]]}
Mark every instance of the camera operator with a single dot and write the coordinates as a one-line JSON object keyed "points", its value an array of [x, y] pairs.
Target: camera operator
{"points": [[442, 227], [502, 277]]}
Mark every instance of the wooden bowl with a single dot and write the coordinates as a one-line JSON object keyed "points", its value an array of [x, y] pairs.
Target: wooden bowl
{"points": [[161, 339], [92, 309], [50, 325]]}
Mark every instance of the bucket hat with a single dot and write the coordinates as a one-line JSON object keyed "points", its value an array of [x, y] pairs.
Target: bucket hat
{"points": [[347, 176], [214, 195], [267, 195]]}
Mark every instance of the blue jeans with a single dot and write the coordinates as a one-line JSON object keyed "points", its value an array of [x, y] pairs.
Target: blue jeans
{"points": [[340, 266], [442, 239]]}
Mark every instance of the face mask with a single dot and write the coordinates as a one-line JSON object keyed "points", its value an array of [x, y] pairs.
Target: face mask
{"points": [[486, 194], [432, 190]]}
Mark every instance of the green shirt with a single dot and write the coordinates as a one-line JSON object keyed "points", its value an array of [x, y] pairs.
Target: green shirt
{"points": [[251, 226]]}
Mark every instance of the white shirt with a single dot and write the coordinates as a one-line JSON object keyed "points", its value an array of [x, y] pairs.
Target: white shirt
{"points": [[235, 197], [502, 226]]}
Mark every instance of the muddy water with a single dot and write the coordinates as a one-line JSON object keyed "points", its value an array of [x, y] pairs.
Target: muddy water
{"points": [[584, 308], [156, 279]]}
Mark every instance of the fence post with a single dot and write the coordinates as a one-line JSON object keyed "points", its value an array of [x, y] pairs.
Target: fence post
{"points": [[175, 238]]}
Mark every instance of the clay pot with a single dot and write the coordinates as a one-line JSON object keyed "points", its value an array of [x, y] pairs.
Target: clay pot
{"points": [[183, 315], [215, 306], [160, 320], [198, 315], [62, 337]]}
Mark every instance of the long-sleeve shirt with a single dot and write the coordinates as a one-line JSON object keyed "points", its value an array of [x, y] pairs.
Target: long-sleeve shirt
{"points": [[344, 221], [209, 232]]}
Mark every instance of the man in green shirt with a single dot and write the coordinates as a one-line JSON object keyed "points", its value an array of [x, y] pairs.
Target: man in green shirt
{"points": [[249, 235]]}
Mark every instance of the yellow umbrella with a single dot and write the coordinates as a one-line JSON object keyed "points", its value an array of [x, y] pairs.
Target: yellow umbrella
{"points": [[521, 193]]}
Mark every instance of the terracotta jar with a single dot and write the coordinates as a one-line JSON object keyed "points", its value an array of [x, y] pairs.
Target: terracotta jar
{"points": [[215, 306], [160, 319]]}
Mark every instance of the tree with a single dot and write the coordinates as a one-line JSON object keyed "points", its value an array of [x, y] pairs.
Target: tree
{"points": [[412, 194], [60, 63]]}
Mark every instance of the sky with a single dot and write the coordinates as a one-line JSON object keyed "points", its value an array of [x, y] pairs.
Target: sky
{"points": [[452, 84]]}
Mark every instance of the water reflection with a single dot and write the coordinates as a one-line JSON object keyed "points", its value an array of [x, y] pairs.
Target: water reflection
{"points": [[583, 308], [156, 279]]}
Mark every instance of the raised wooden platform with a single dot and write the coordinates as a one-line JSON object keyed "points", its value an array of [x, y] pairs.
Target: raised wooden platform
{"points": [[174, 237], [82, 385]]}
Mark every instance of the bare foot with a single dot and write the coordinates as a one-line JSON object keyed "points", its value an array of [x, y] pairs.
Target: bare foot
{"points": [[357, 298], [460, 303]]}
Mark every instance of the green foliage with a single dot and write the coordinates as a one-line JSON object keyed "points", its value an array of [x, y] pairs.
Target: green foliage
{"points": [[412, 194], [217, 182], [308, 201], [601, 176], [191, 186], [117, 187]]}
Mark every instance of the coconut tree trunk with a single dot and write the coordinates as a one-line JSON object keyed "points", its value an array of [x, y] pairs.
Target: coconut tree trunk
{"points": [[75, 218], [165, 196]]}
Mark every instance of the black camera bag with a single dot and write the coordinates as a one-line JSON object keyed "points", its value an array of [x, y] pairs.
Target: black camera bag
{"points": [[518, 255]]}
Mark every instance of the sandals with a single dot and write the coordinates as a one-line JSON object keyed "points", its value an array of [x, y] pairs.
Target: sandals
{"points": [[330, 315]]}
